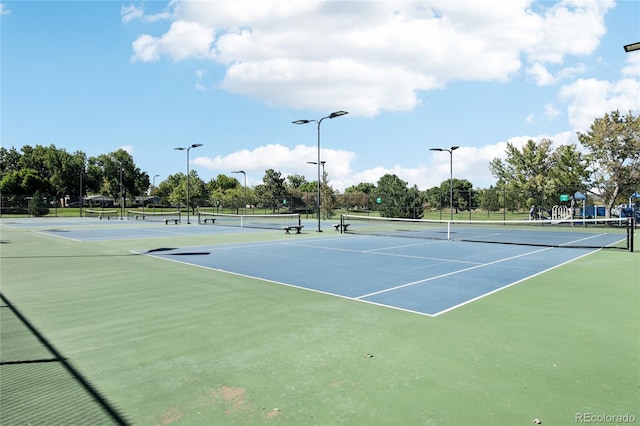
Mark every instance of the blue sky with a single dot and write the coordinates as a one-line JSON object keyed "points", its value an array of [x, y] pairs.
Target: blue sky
{"points": [[151, 76]]}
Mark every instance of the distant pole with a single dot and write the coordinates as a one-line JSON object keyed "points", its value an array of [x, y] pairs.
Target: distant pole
{"points": [[244, 209], [450, 151], [195, 145], [332, 115], [324, 183], [81, 199], [154, 184], [121, 195]]}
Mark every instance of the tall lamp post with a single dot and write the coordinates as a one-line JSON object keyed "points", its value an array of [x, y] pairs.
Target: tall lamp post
{"points": [[81, 199], [154, 184], [450, 151], [332, 115], [323, 182], [121, 195], [244, 200], [188, 148]]}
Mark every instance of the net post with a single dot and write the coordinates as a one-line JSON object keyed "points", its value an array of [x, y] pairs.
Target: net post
{"points": [[448, 230], [631, 227], [341, 223]]}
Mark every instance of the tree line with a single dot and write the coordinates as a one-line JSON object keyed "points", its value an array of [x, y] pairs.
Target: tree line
{"points": [[606, 165]]}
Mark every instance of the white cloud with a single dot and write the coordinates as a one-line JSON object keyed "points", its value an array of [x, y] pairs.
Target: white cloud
{"points": [[551, 111], [632, 66], [589, 99], [541, 76], [4, 10], [131, 12], [373, 56], [470, 163], [183, 40], [570, 27]]}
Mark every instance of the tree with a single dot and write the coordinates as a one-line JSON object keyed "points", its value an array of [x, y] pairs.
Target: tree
{"points": [[358, 196], [197, 190], [38, 205], [537, 175], [272, 190], [397, 200], [613, 142], [364, 187], [489, 199], [106, 172], [296, 181]]}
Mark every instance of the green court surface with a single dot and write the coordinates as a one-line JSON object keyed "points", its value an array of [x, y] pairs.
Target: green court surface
{"points": [[91, 333]]}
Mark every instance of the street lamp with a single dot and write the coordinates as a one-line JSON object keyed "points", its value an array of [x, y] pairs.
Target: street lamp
{"points": [[245, 190], [332, 115], [323, 181], [631, 47], [450, 151], [121, 194], [195, 145], [81, 199], [154, 183]]}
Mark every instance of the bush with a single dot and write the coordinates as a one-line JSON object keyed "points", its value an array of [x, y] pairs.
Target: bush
{"points": [[38, 206]]}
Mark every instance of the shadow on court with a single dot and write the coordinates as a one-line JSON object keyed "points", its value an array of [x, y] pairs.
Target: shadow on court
{"points": [[38, 384]]}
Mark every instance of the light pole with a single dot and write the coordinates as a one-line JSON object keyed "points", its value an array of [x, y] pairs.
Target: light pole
{"points": [[323, 182], [195, 145], [332, 115], [154, 184], [81, 199], [244, 200], [450, 151], [121, 195]]}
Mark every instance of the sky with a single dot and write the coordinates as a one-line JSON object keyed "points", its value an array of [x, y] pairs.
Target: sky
{"points": [[151, 76]]}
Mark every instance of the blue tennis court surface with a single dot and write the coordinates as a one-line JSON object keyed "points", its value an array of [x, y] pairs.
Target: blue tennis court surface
{"points": [[89, 229], [420, 276]]}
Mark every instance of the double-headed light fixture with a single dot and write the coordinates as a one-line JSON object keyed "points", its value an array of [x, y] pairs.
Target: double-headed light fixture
{"points": [[188, 148], [332, 115], [450, 151], [244, 200]]}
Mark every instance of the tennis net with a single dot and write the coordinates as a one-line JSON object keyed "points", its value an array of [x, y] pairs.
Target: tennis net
{"points": [[101, 214], [579, 233], [166, 217], [266, 221]]}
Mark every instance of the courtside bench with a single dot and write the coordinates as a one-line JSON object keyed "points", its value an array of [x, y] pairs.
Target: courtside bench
{"points": [[287, 229], [213, 220], [166, 221]]}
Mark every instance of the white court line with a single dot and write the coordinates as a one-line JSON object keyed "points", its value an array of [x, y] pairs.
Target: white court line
{"points": [[482, 265], [511, 284], [385, 254]]}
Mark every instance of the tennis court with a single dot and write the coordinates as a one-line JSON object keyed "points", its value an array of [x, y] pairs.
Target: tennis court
{"points": [[422, 277], [139, 322]]}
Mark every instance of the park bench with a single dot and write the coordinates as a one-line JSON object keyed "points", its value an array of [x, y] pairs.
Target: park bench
{"points": [[287, 229], [166, 221], [213, 220]]}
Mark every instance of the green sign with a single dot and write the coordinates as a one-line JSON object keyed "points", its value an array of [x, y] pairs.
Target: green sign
{"points": [[564, 197], [378, 200], [284, 202]]}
